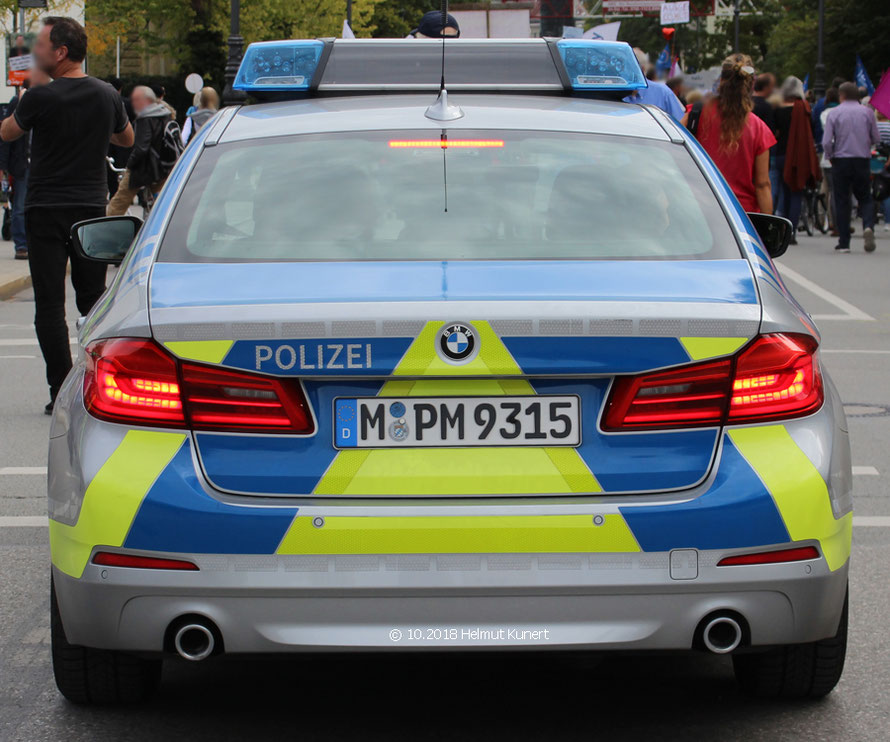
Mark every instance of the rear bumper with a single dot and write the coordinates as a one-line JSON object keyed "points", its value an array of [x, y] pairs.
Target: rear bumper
{"points": [[279, 604]]}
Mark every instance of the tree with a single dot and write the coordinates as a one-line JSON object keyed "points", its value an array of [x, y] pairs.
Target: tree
{"points": [[395, 19]]}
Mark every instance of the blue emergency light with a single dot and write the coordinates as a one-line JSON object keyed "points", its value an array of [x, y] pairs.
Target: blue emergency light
{"points": [[337, 66], [270, 66], [601, 65]]}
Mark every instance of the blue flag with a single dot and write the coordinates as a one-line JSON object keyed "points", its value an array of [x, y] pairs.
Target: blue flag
{"points": [[663, 63], [862, 78], [806, 83]]}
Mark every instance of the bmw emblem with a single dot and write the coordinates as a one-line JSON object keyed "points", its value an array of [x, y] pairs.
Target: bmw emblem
{"points": [[458, 343]]}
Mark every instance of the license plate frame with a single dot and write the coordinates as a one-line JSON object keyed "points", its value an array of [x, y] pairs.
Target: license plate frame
{"points": [[391, 427]]}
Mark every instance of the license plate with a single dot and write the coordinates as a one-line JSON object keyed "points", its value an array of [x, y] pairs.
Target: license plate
{"points": [[382, 422]]}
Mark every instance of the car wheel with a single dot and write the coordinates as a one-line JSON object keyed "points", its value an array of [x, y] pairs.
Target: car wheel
{"points": [[98, 676], [796, 670]]}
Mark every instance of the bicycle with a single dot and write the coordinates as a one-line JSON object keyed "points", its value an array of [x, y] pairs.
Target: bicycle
{"points": [[144, 195], [813, 211]]}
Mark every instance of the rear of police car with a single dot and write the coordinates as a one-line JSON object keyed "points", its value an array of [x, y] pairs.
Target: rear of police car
{"points": [[379, 376]]}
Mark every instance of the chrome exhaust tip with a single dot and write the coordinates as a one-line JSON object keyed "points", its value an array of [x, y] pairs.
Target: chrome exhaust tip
{"points": [[194, 641], [722, 634]]}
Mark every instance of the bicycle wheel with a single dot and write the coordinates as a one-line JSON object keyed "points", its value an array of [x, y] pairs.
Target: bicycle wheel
{"points": [[806, 213], [820, 213]]}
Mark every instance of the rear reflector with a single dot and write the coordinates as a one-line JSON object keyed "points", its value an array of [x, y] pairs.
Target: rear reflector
{"points": [[799, 554], [130, 380], [774, 377], [110, 559]]}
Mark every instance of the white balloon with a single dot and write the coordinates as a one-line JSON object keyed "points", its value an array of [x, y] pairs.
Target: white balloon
{"points": [[194, 82]]}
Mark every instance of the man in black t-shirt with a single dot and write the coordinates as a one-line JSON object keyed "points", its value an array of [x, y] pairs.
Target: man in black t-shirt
{"points": [[71, 120], [764, 87]]}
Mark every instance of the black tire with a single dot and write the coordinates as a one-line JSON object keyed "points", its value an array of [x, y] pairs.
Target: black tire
{"points": [[820, 213], [806, 214], [796, 670], [99, 676]]}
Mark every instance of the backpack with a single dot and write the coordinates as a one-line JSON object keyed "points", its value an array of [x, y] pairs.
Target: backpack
{"points": [[170, 146], [694, 118]]}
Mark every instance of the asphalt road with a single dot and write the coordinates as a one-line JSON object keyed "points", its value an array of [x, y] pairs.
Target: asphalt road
{"points": [[483, 697]]}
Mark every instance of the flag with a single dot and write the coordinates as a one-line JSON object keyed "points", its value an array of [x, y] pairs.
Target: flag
{"points": [[603, 32], [806, 83], [676, 69], [664, 59], [862, 78], [347, 31], [880, 100]]}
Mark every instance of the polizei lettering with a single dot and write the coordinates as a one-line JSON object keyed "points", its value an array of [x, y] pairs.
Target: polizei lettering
{"points": [[300, 357]]}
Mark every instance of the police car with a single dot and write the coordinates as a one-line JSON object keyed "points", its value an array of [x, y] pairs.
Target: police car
{"points": [[392, 369]]}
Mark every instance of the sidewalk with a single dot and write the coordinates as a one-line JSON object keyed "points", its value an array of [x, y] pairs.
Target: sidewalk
{"points": [[14, 274]]}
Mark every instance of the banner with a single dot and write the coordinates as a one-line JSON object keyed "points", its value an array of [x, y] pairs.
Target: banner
{"points": [[862, 78], [632, 6], [674, 13], [604, 32]]}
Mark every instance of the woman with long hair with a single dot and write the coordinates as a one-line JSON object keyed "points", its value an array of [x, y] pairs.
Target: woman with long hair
{"points": [[737, 140]]}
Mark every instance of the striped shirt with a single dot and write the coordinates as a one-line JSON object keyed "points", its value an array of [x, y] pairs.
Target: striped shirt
{"points": [[884, 131]]}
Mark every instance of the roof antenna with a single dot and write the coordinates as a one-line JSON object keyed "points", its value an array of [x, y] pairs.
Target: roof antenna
{"points": [[441, 110]]}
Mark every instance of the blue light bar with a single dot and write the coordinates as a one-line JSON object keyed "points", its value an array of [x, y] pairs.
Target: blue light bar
{"points": [[601, 65], [278, 66]]}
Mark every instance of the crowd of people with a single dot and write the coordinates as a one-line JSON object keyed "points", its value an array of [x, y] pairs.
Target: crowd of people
{"points": [[59, 135], [772, 142]]}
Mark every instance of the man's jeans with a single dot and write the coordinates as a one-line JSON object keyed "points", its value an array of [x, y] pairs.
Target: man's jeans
{"points": [[851, 174], [49, 250], [17, 226]]}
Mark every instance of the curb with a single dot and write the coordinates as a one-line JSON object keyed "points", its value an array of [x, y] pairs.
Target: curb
{"points": [[11, 288]]}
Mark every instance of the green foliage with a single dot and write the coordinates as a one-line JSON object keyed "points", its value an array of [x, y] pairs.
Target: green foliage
{"points": [[303, 19], [397, 18], [781, 36]]}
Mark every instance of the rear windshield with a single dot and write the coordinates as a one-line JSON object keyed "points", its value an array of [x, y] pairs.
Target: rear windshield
{"points": [[459, 195]]}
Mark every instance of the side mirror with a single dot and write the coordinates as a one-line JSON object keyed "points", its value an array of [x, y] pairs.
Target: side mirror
{"points": [[106, 239], [775, 231]]}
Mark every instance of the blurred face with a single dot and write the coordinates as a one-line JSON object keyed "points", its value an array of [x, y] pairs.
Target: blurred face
{"points": [[139, 100], [20, 41], [45, 56]]}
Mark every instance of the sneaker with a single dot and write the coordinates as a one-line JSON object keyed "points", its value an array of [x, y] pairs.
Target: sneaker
{"points": [[842, 248], [868, 234], [21, 254]]}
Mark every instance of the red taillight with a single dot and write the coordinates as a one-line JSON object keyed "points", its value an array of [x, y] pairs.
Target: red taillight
{"points": [[798, 554], [775, 376], [219, 399], [135, 381], [110, 559], [130, 380], [694, 395]]}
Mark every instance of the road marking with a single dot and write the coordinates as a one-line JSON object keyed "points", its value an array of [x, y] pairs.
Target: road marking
{"points": [[855, 350], [3, 357], [849, 311], [865, 471], [9, 342], [23, 521], [15, 471], [872, 521]]}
